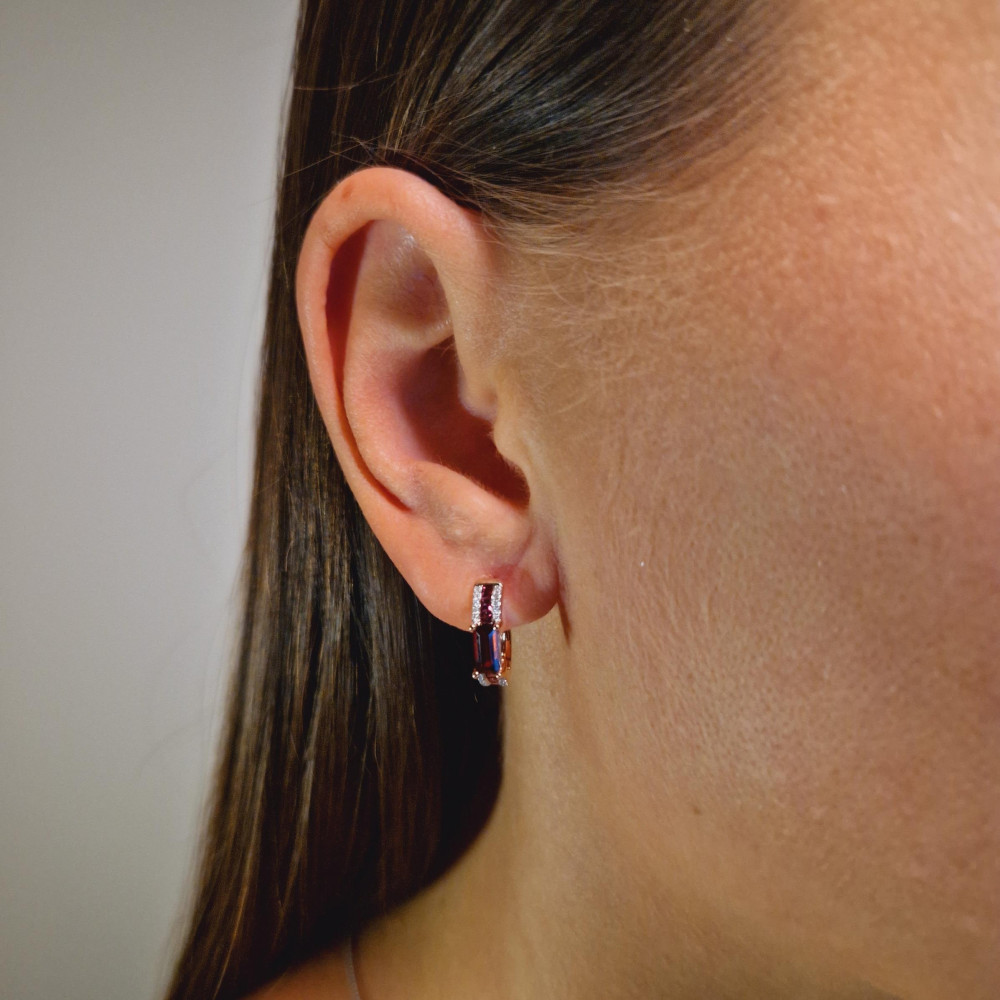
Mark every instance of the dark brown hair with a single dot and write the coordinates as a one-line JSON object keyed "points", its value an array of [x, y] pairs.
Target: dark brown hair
{"points": [[359, 758]]}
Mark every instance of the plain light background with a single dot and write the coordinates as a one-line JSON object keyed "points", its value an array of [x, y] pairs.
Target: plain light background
{"points": [[138, 150]]}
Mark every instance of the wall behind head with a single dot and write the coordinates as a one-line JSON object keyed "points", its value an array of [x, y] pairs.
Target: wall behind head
{"points": [[138, 148]]}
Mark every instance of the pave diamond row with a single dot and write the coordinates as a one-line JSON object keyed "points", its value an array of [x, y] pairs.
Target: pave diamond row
{"points": [[487, 601]]}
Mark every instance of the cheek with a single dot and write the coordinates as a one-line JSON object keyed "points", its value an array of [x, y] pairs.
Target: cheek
{"points": [[852, 567], [866, 331], [797, 555]]}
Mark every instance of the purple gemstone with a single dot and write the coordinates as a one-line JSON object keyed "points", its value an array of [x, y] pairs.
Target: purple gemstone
{"points": [[491, 652], [486, 648], [486, 605]]}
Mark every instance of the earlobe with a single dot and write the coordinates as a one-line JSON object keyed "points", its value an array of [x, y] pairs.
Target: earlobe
{"points": [[395, 290]]}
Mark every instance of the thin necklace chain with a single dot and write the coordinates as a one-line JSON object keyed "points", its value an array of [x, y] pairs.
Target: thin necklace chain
{"points": [[352, 979]]}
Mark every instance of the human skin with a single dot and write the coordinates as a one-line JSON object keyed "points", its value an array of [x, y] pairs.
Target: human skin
{"points": [[752, 737], [797, 537]]}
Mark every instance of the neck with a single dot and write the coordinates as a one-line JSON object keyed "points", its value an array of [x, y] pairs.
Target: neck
{"points": [[525, 912], [545, 903]]}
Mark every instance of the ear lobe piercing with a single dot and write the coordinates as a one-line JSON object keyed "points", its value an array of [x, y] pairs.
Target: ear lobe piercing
{"points": [[490, 643]]}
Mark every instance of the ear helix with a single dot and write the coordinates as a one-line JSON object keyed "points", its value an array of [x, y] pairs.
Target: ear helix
{"points": [[490, 643]]}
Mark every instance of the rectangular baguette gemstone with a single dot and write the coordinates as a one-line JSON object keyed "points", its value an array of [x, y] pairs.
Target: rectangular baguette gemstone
{"points": [[488, 650]]}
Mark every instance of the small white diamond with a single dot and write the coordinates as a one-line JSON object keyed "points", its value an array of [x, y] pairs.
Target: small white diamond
{"points": [[477, 601], [496, 599]]}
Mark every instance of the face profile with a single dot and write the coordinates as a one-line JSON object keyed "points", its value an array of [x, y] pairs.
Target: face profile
{"points": [[679, 327]]}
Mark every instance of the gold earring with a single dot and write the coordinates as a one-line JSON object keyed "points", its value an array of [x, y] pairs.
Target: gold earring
{"points": [[490, 643]]}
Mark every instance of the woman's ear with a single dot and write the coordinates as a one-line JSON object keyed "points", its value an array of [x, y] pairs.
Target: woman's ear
{"points": [[397, 291]]}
